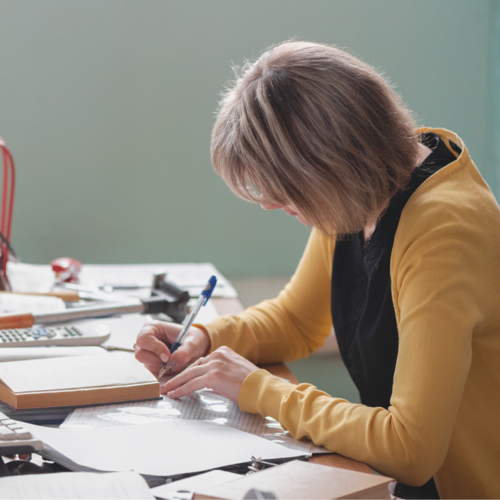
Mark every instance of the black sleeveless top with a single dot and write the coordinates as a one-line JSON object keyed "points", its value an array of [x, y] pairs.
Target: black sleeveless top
{"points": [[362, 309]]}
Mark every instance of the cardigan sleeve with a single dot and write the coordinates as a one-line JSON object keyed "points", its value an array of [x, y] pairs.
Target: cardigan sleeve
{"points": [[440, 270], [293, 325]]}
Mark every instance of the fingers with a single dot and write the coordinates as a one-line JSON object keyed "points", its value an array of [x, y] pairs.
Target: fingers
{"points": [[154, 338], [192, 379], [180, 358], [153, 341], [223, 371], [195, 344], [151, 361]]}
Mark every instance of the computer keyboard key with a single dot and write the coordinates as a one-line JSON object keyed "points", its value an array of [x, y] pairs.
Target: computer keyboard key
{"points": [[6, 434], [23, 434], [8, 422], [14, 427]]}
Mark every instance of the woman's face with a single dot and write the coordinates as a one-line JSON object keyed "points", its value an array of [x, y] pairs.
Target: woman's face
{"points": [[289, 209]]}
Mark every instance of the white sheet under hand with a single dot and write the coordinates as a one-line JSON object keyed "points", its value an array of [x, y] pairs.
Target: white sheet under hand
{"points": [[161, 449]]}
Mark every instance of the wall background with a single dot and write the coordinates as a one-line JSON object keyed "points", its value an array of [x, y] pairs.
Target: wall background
{"points": [[107, 107]]}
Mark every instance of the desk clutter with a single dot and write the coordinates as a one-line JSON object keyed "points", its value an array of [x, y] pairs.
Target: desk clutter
{"points": [[292, 480], [115, 426]]}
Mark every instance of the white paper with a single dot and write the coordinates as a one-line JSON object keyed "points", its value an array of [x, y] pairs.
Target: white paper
{"points": [[185, 488], [71, 485], [201, 405], [192, 277], [22, 353], [35, 304], [164, 448]]}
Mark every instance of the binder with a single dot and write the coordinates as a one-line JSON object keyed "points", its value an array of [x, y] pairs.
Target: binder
{"points": [[299, 480]]}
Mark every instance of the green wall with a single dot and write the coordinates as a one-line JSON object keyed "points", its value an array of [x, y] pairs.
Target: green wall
{"points": [[108, 105]]}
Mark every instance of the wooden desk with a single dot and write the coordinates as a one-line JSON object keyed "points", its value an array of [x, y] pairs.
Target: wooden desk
{"points": [[233, 306]]}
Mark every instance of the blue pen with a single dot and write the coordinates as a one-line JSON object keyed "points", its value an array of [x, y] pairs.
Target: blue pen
{"points": [[202, 300]]}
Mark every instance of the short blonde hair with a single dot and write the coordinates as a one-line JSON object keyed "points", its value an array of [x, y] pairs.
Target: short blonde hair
{"points": [[311, 125]]}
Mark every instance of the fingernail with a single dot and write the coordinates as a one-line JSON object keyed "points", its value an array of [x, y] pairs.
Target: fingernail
{"points": [[163, 357], [171, 366]]}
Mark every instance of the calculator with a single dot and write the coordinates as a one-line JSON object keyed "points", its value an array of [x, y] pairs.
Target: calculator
{"points": [[94, 334]]}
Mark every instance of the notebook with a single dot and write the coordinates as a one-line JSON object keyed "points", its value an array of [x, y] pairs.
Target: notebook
{"points": [[76, 381]]}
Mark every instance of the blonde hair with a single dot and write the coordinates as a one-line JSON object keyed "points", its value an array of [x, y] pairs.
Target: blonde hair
{"points": [[311, 125]]}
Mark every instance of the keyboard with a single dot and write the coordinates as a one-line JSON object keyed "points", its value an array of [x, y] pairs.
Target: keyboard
{"points": [[15, 439], [94, 334]]}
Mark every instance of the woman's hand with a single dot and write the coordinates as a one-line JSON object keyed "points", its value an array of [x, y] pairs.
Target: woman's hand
{"points": [[223, 371], [155, 338]]}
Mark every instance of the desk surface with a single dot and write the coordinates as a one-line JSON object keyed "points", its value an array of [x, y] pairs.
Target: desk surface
{"points": [[233, 306]]}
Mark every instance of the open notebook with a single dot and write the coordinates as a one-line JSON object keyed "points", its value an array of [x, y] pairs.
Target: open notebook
{"points": [[75, 381]]}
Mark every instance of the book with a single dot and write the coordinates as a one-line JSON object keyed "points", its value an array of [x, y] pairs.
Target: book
{"points": [[76, 381], [299, 479]]}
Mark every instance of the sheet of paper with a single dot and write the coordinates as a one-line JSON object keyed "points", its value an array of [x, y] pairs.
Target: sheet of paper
{"points": [[192, 277], [36, 304], [22, 353], [73, 372], [184, 488], [124, 329], [164, 448], [85, 485], [202, 405]]}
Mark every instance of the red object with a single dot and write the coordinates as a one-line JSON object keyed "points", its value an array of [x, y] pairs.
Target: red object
{"points": [[8, 187], [66, 269]]}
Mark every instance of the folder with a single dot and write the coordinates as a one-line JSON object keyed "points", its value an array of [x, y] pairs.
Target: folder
{"points": [[299, 479]]}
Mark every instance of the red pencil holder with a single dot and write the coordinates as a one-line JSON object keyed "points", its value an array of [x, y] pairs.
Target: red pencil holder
{"points": [[8, 188]]}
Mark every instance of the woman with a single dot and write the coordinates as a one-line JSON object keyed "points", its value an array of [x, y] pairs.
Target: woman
{"points": [[403, 260]]}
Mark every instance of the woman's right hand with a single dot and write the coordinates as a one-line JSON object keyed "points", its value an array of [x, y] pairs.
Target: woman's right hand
{"points": [[155, 338]]}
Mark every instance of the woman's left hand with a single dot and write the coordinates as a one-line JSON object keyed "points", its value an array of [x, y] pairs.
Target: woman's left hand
{"points": [[223, 371]]}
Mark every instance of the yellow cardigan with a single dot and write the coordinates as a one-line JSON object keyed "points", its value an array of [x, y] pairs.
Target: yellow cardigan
{"points": [[444, 418]]}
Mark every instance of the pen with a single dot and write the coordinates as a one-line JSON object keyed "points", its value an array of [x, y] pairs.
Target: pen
{"points": [[202, 300]]}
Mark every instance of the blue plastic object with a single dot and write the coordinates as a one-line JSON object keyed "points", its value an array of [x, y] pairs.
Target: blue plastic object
{"points": [[207, 293], [174, 347]]}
